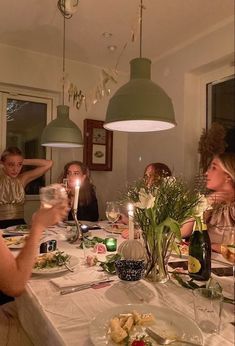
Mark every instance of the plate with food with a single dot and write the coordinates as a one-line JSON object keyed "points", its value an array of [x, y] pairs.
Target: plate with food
{"points": [[124, 324], [53, 263], [18, 229], [15, 242]]}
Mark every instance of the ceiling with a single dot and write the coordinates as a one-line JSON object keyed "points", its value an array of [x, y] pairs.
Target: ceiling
{"points": [[37, 25]]}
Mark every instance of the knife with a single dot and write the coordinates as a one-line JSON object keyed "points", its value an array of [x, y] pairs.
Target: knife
{"points": [[84, 286]]}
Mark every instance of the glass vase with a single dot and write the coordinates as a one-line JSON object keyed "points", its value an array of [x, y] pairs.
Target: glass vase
{"points": [[158, 244]]}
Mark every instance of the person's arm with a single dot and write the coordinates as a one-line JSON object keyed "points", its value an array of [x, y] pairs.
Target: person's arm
{"points": [[42, 166], [14, 272], [187, 228]]}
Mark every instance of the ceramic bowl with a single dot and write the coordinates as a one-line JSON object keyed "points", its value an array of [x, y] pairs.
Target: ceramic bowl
{"points": [[130, 270]]}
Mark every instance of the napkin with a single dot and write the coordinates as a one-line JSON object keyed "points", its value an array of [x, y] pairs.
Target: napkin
{"points": [[78, 278]]}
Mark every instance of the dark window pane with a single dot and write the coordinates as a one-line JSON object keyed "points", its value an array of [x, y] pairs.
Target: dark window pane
{"points": [[221, 107], [25, 123]]}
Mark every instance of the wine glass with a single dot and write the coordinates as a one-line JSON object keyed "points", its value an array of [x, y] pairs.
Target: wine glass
{"points": [[112, 212], [228, 244]]}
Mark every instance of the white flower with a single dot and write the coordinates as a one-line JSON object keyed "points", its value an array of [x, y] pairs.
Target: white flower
{"points": [[146, 200], [202, 206], [170, 179]]}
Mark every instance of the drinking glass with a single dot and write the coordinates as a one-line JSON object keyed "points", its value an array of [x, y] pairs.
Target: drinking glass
{"points": [[52, 194], [112, 212], [207, 309]]}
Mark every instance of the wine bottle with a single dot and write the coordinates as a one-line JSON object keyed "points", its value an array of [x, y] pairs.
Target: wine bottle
{"points": [[199, 260]]}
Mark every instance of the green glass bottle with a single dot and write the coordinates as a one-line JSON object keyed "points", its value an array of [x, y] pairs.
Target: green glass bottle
{"points": [[199, 260]]}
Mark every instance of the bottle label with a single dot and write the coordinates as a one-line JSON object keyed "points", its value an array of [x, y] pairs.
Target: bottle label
{"points": [[194, 266]]}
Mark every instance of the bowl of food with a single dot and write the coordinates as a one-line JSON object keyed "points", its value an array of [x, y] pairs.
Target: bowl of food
{"points": [[130, 270]]}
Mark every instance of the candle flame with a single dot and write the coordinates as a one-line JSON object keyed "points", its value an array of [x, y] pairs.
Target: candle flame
{"points": [[130, 207], [78, 183]]}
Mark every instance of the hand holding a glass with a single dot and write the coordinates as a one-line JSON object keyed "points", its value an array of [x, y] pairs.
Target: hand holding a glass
{"points": [[54, 205]]}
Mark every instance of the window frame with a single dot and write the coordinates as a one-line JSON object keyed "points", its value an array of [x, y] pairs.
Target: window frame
{"points": [[8, 92]]}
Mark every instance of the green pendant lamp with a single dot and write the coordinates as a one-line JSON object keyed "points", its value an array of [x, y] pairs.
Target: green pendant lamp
{"points": [[62, 132], [140, 105]]}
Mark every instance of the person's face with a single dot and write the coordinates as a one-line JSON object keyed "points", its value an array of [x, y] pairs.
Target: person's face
{"points": [[13, 165], [149, 175], [215, 176], [74, 173]]}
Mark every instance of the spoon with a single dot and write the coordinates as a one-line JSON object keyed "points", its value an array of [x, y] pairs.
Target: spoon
{"points": [[165, 341]]}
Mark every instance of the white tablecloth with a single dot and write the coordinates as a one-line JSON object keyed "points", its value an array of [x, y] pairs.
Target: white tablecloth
{"points": [[54, 319]]}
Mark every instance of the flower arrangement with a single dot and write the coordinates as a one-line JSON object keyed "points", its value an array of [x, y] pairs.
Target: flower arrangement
{"points": [[199, 211], [160, 210]]}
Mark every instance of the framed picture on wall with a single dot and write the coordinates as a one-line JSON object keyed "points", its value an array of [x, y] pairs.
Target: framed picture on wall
{"points": [[98, 146]]}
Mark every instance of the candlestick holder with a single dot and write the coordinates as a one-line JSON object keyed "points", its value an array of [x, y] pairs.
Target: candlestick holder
{"points": [[78, 236]]}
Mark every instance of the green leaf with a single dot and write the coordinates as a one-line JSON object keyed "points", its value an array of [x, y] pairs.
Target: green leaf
{"points": [[91, 242], [173, 225], [109, 264], [190, 284]]}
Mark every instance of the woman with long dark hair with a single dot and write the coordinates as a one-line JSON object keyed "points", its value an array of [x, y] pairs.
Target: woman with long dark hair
{"points": [[87, 202]]}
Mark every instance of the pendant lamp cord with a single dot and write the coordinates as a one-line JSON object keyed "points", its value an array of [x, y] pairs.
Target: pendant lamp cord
{"points": [[63, 61], [141, 24]]}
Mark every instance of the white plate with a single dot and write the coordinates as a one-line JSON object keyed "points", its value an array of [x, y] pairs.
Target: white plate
{"points": [[47, 271], [15, 242], [168, 323], [16, 229]]}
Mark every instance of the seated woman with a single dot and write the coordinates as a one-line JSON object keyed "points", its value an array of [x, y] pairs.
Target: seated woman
{"points": [[152, 172], [220, 179], [15, 272], [87, 202], [13, 183]]}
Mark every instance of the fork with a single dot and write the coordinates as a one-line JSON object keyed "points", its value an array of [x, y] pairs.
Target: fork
{"points": [[166, 341], [63, 263]]}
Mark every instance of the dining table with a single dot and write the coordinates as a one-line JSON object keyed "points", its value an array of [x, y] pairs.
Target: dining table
{"points": [[55, 319]]}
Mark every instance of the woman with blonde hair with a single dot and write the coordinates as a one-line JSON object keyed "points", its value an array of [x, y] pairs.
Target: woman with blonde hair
{"points": [[220, 179], [13, 182]]}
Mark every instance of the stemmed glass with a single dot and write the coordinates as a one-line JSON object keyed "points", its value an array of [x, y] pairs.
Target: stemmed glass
{"points": [[228, 245], [112, 212]]}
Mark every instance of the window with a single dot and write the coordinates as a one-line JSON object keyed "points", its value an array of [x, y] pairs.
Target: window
{"points": [[23, 120], [221, 107]]}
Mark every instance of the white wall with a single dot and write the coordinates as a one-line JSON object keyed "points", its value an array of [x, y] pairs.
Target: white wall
{"points": [[43, 73], [180, 74]]}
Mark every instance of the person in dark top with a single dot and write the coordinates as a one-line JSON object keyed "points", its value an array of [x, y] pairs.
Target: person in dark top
{"points": [[87, 202]]}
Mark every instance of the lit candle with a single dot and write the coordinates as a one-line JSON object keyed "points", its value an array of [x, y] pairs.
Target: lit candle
{"points": [[76, 195], [131, 220], [111, 244]]}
